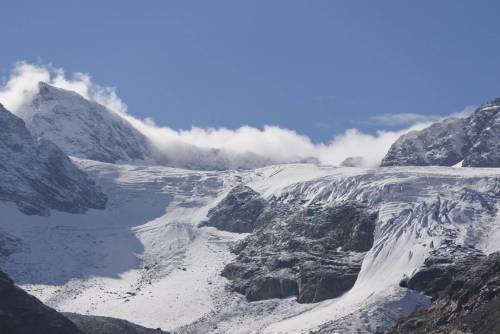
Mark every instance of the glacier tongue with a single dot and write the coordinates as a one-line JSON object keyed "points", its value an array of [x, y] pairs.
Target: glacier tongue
{"points": [[149, 261]]}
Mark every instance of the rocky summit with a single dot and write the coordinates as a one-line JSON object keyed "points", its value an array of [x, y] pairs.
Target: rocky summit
{"points": [[472, 142]]}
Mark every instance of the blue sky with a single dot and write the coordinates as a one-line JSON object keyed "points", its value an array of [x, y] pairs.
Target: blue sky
{"points": [[318, 67]]}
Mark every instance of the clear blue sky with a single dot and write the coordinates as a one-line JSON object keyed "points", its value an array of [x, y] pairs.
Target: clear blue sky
{"points": [[314, 66]]}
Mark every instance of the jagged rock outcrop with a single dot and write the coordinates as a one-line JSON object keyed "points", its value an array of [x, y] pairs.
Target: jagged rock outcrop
{"points": [[38, 176], [21, 313], [440, 268], [311, 252], [474, 141], [83, 128], [470, 302], [238, 211], [90, 324]]}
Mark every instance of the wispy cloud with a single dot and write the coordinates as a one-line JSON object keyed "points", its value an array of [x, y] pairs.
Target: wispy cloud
{"points": [[402, 119], [271, 142], [464, 112]]}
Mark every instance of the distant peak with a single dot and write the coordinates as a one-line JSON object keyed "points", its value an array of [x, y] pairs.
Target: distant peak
{"points": [[48, 91], [43, 86]]}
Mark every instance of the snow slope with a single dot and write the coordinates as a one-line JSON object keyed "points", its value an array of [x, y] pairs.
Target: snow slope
{"points": [[146, 260]]}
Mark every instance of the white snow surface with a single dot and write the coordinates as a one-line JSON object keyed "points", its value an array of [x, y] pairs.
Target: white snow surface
{"points": [[145, 259]]}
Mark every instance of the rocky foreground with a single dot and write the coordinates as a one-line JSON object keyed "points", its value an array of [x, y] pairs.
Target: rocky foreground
{"points": [[467, 299], [21, 313]]}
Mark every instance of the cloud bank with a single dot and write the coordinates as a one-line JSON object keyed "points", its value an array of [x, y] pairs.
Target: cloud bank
{"points": [[272, 143]]}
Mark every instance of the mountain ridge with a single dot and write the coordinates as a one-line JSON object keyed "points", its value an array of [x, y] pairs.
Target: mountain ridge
{"points": [[472, 142]]}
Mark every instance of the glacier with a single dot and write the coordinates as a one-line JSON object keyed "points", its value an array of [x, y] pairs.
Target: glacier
{"points": [[146, 259]]}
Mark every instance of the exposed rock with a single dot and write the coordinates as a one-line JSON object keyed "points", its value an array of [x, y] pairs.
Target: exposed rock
{"points": [[440, 267], [21, 313], [311, 252], [483, 132], [238, 211], [38, 176], [439, 144], [470, 303], [474, 140], [90, 324]]}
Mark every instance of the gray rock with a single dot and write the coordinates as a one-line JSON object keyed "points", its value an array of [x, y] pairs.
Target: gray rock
{"points": [[21, 313], [238, 211], [474, 140], [311, 252], [90, 324], [440, 267], [470, 302], [38, 176], [483, 131], [439, 144]]}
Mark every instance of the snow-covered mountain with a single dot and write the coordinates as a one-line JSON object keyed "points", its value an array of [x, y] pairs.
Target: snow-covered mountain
{"points": [[83, 128], [88, 130], [38, 176], [473, 141]]}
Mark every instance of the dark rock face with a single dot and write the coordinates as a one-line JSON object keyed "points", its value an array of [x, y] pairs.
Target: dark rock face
{"points": [[440, 268], [89, 324], [37, 175], [21, 313], [475, 140], [470, 302], [483, 131], [311, 252], [439, 144], [238, 211]]}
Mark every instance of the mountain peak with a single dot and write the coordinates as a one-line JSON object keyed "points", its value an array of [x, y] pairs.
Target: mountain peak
{"points": [[46, 90], [83, 128], [471, 141]]}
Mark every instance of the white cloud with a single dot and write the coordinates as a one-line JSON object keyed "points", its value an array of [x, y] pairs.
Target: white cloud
{"points": [[403, 119], [467, 111], [22, 84], [273, 143]]}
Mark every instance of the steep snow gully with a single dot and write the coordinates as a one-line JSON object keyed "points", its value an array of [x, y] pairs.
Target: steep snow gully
{"points": [[148, 259]]}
